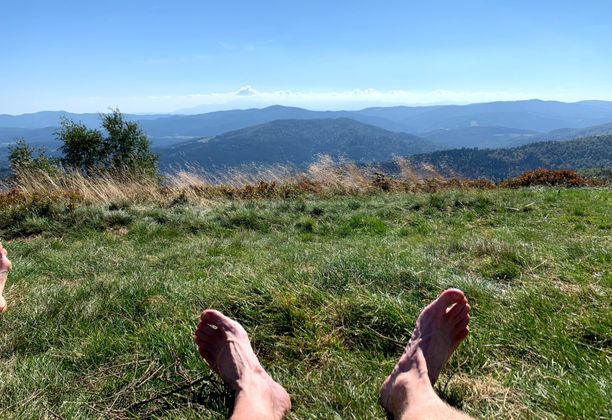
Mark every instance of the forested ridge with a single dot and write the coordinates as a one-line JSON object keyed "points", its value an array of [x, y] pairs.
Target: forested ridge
{"points": [[497, 164]]}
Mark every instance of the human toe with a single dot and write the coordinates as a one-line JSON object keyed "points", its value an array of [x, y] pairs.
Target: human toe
{"points": [[461, 334], [218, 319], [459, 311], [449, 297]]}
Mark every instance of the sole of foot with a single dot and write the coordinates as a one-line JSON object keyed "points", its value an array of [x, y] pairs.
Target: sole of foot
{"points": [[226, 347], [439, 330]]}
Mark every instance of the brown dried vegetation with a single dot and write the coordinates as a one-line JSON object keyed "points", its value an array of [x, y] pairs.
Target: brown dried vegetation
{"points": [[547, 177], [325, 178]]}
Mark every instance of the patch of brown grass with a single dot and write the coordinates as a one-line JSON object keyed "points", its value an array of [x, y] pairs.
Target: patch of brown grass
{"points": [[488, 395], [547, 177]]}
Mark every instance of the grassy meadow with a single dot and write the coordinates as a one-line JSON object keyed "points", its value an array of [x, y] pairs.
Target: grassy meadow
{"points": [[104, 299]]}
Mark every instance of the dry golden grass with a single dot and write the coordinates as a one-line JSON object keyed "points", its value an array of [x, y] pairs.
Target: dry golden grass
{"points": [[486, 395], [325, 178], [102, 187]]}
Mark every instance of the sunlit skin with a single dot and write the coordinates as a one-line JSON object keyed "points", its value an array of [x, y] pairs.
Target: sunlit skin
{"points": [[5, 268], [440, 328], [406, 393], [225, 346]]}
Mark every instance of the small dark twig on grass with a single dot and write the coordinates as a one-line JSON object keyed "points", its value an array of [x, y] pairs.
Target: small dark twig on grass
{"points": [[27, 401], [54, 414], [168, 393]]}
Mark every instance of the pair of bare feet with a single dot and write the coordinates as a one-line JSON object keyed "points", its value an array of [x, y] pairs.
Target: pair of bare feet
{"points": [[406, 393], [5, 267]]}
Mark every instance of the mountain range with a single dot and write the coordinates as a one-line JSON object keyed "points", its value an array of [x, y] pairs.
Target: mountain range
{"points": [[279, 134], [532, 115]]}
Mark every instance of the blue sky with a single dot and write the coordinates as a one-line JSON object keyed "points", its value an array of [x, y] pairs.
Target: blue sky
{"points": [[154, 56]]}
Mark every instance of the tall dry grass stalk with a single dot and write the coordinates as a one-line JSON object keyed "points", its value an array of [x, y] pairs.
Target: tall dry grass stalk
{"points": [[101, 187], [234, 177], [338, 177], [407, 171], [325, 177]]}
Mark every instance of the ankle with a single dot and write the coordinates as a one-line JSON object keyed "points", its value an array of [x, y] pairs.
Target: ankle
{"points": [[258, 393], [409, 387], [253, 380]]}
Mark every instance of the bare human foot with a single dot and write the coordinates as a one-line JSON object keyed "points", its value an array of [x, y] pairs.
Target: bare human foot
{"points": [[439, 329], [225, 346], [5, 267]]}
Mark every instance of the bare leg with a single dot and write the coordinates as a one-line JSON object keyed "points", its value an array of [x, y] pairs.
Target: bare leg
{"points": [[225, 346], [5, 267], [408, 392]]}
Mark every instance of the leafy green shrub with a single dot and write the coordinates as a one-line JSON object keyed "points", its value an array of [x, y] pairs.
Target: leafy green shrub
{"points": [[125, 148], [25, 159]]}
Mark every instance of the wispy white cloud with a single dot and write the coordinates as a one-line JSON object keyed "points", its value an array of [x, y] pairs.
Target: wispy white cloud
{"points": [[247, 91], [250, 97]]}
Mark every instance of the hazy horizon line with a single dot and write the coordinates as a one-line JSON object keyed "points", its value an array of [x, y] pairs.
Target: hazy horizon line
{"points": [[247, 97]]}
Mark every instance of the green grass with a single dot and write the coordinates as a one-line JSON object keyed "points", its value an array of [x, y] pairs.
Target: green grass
{"points": [[103, 301]]}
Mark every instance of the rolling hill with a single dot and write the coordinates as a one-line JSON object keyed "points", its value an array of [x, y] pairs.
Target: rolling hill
{"points": [[497, 164], [295, 142], [215, 123], [574, 133]]}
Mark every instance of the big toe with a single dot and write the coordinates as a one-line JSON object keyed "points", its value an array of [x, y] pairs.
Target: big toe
{"points": [[224, 323], [216, 318], [447, 298]]}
